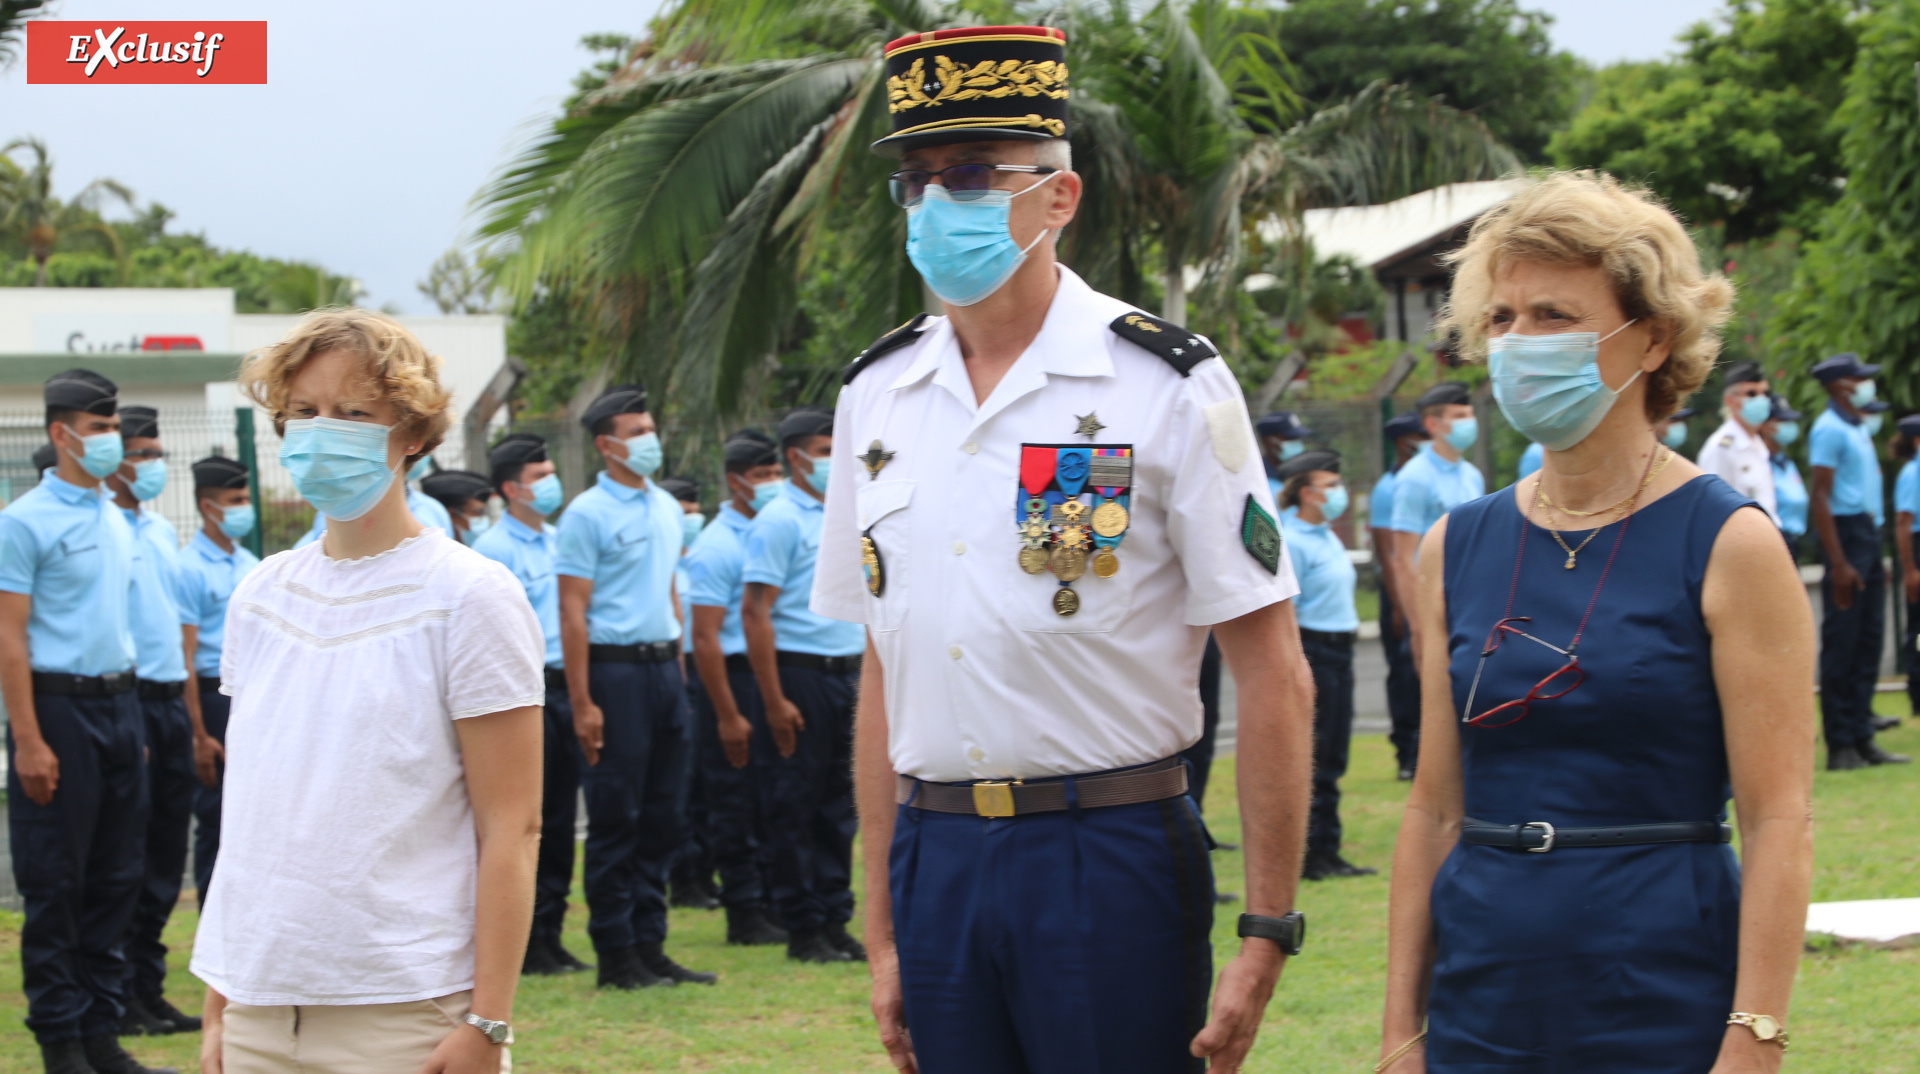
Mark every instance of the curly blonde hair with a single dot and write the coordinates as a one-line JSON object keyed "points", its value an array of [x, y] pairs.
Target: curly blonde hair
{"points": [[1587, 218], [397, 368]]}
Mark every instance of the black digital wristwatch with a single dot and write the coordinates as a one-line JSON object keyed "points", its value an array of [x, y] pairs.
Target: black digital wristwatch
{"points": [[1288, 930]]}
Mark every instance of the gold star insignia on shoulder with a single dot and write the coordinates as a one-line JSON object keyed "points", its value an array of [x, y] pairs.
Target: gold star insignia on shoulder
{"points": [[1089, 425], [876, 458]]}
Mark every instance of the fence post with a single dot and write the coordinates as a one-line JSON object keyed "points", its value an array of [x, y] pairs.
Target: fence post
{"points": [[250, 458]]}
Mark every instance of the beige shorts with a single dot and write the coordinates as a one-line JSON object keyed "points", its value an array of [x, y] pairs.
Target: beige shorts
{"points": [[374, 1038]]}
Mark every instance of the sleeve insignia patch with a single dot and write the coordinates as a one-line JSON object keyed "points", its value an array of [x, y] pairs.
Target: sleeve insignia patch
{"points": [[1261, 535]]}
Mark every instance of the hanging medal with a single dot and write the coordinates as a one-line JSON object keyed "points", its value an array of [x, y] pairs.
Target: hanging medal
{"points": [[1030, 510], [1058, 530], [1111, 475], [1071, 537]]}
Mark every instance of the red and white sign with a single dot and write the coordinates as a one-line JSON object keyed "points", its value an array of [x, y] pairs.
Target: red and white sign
{"points": [[147, 53]]}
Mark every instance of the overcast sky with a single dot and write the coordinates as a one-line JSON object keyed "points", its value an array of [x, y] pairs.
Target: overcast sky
{"points": [[380, 120]]}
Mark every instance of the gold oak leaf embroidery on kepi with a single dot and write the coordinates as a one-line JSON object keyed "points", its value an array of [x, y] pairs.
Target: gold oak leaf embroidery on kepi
{"points": [[950, 83]]}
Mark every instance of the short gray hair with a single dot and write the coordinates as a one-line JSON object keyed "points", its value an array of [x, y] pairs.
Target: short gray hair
{"points": [[1055, 153]]}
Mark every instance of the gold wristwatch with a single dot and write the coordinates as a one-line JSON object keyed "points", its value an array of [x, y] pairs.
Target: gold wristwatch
{"points": [[1765, 1027]]}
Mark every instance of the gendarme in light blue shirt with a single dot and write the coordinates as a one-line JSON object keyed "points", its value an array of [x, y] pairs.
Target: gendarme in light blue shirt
{"points": [[1790, 495], [70, 549], [208, 577], [1841, 443], [1326, 575], [718, 556], [1429, 486], [1380, 502], [1906, 492], [782, 545], [426, 510], [529, 554], [626, 541], [155, 615], [1530, 460]]}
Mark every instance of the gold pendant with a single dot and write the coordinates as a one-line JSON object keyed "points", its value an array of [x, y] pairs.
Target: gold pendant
{"points": [[1569, 562], [1065, 601], [1110, 519], [1105, 563], [1068, 563], [1033, 559]]}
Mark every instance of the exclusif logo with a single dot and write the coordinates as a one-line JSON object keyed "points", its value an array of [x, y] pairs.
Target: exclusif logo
{"points": [[147, 53]]}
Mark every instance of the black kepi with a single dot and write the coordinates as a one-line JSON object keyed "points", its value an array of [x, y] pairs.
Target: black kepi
{"points": [[975, 84]]}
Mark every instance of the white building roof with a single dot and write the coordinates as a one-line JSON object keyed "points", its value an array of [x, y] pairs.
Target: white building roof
{"points": [[1378, 235]]}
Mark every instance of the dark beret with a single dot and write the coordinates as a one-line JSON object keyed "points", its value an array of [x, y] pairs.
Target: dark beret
{"points": [[1283, 424], [625, 399], [219, 472], [82, 389], [139, 421], [745, 452], [1842, 366], [455, 487], [1878, 406], [46, 458], [1686, 412], [1447, 392], [1782, 410], [1744, 373], [753, 432], [1405, 425], [806, 421], [1307, 462], [684, 489], [1909, 425], [517, 449]]}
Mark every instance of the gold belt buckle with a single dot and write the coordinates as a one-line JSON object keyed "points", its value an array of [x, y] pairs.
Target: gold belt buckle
{"points": [[994, 798]]}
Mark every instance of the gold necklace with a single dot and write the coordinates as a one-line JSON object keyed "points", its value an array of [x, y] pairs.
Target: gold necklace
{"points": [[1619, 509]]}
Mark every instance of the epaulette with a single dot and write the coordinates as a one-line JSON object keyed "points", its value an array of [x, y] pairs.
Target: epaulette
{"points": [[886, 344], [1182, 349]]}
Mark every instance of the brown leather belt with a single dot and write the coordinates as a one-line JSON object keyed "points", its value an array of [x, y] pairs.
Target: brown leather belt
{"points": [[1009, 798]]}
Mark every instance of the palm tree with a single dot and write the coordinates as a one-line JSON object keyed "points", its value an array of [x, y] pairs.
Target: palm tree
{"points": [[28, 207], [13, 19], [689, 194]]}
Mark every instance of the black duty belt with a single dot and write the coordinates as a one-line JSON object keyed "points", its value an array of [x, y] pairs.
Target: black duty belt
{"points": [[1327, 637], [557, 680], [209, 684], [1538, 836], [161, 691], [738, 664], [646, 652], [57, 682], [831, 665], [1008, 798]]}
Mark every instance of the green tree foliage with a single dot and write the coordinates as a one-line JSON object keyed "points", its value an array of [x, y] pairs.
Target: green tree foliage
{"points": [[1857, 287], [1488, 57], [13, 29], [1740, 128]]}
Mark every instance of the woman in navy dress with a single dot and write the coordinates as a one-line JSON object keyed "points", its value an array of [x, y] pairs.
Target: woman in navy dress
{"points": [[1628, 647]]}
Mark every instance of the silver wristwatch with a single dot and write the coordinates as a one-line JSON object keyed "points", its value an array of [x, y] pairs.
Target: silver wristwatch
{"points": [[497, 1032]]}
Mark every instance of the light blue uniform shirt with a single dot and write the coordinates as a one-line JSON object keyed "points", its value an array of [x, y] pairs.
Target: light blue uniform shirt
{"points": [[208, 578], [686, 614], [529, 554], [626, 541], [1530, 460], [1790, 495], [782, 545], [1429, 486], [1843, 444], [713, 573], [71, 550], [159, 649], [1380, 503], [427, 510], [1906, 491], [1325, 573]]}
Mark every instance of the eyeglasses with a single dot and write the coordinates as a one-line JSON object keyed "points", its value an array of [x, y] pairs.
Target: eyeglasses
{"points": [[1557, 685], [966, 182]]}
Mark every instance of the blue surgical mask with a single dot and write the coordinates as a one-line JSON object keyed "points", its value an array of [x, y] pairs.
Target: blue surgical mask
{"points": [[1464, 432], [1756, 409], [340, 467], [1787, 432], [149, 478], [1863, 393], [822, 467], [1549, 387], [963, 249], [421, 468], [1675, 435], [690, 527], [547, 494], [1336, 504], [237, 521], [476, 527], [1872, 422], [102, 453], [644, 454], [765, 493], [1290, 448]]}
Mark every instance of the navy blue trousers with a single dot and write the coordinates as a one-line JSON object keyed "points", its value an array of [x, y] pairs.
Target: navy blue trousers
{"points": [[736, 829], [559, 806], [807, 800], [636, 798], [1054, 942], [1403, 687], [1910, 639], [170, 794], [78, 862], [1332, 666], [215, 707], [1850, 639]]}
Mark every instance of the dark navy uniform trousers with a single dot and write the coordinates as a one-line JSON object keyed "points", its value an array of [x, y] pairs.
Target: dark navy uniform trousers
{"points": [[807, 800], [78, 862], [636, 800], [1054, 943], [1330, 659], [170, 796], [1403, 687], [1850, 638], [735, 828], [559, 806], [1910, 641], [215, 708]]}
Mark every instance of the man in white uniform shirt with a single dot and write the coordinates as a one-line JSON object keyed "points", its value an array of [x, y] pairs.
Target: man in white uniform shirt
{"points": [[1735, 453], [1051, 498]]}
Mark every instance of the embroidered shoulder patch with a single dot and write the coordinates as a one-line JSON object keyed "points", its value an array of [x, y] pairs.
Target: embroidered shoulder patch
{"points": [[1180, 348], [1261, 536], [886, 344]]}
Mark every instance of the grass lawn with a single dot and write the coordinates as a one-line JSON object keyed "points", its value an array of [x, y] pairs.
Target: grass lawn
{"points": [[1854, 1009]]}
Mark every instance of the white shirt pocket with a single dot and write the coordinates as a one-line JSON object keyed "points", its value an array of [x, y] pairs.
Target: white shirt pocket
{"points": [[885, 528]]}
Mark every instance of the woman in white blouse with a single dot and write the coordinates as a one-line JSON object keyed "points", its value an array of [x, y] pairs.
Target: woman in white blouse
{"points": [[370, 909]]}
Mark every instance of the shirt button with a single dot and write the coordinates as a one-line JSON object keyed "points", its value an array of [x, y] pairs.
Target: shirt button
{"points": [[953, 651], [977, 754], [971, 447], [959, 548]]}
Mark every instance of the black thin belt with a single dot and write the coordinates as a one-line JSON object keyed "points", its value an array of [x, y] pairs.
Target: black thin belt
{"points": [[1327, 637], [831, 665], [738, 664], [646, 652], [1007, 798], [161, 691], [557, 680], [1539, 837], [209, 683], [59, 682]]}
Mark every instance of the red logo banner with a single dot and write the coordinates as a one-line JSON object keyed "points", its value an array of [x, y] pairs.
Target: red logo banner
{"points": [[147, 53]]}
